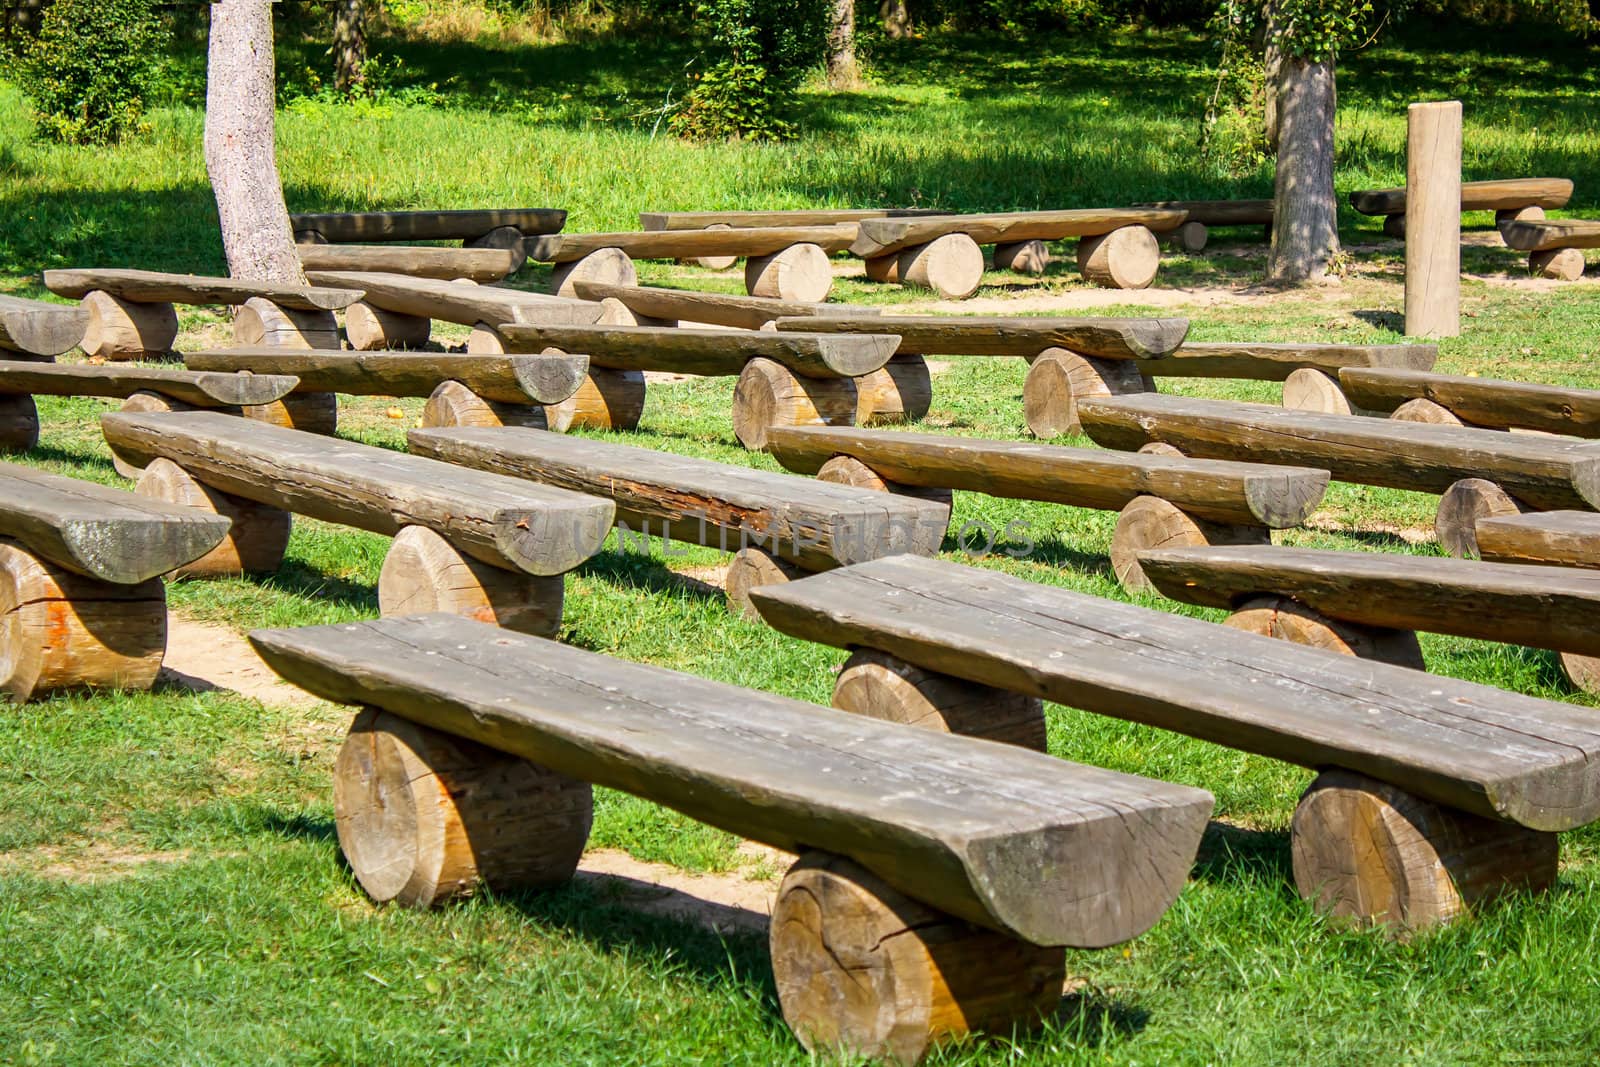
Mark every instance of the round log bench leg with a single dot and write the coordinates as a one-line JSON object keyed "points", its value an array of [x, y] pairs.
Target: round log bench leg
{"points": [[309, 237], [1421, 409], [882, 686], [607, 400], [307, 412], [1395, 226], [1023, 257], [614, 312], [1161, 448], [485, 340], [1289, 620], [259, 322], [951, 266], [1583, 672], [713, 262], [1506, 216], [865, 971], [753, 568], [1057, 379], [453, 404], [1561, 264], [1460, 508], [372, 329], [1189, 238], [121, 329], [255, 542], [1125, 258], [884, 269], [60, 630], [768, 394], [424, 817], [1367, 852], [799, 272], [1149, 522], [19, 423], [423, 572], [606, 266], [144, 402], [508, 238], [848, 470], [900, 391], [1309, 389]]}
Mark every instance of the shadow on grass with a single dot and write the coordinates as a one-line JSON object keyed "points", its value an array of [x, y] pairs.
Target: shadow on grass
{"points": [[1232, 854], [304, 580], [634, 570], [301, 827]]}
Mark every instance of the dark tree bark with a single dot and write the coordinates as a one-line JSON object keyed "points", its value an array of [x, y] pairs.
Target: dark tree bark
{"points": [[842, 70], [896, 19], [1271, 67], [241, 157], [349, 43], [1305, 235]]}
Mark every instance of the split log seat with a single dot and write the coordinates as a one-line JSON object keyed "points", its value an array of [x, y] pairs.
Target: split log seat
{"points": [[81, 599], [131, 314], [700, 220], [1555, 246], [494, 228], [1511, 200], [938, 877], [417, 261], [1117, 247], [477, 544], [1465, 401], [657, 306], [1163, 500], [1202, 215], [1432, 794], [35, 328], [1549, 538], [778, 525], [1477, 472]]}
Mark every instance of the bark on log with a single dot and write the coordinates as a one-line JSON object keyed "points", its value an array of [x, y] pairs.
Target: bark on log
{"points": [[768, 394], [1058, 377], [423, 572], [799, 272], [257, 534], [371, 329], [1146, 340], [261, 323], [881, 686]]}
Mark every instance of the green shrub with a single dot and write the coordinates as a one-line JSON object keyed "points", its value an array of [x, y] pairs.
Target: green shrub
{"points": [[755, 53], [90, 68], [733, 100]]}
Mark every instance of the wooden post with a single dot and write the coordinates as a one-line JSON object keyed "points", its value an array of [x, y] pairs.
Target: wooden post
{"points": [[1433, 219]]}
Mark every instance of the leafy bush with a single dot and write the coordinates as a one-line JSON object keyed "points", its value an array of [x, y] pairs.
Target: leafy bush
{"points": [[756, 52], [735, 100], [90, 68]]}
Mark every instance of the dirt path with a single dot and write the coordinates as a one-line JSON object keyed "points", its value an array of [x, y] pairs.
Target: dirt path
{"points": [[204, 657]]}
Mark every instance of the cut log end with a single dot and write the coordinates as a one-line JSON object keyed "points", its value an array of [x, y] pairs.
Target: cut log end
{"points": [[424, 573], [885, 269], [307, 412], [485, 340], [1309, 389], [1369, 853], [848, 470], [424, 817], [768, 394], [882, 686], [1189, 238], [121, 329], [259, 322], [372, 329], [899, 392], [753, 568], [714, 262], [1149, 522], [19, 424], [864, 971], [607, 400], [1289, 620], [1460, 508], [1023, 257], [799, 272], [1058, 379], [1583, 672], [1421, 409], [1395, 226], [453, 404], [951, 266], [1560, 264], [1506, 216], [255, 541], [603, 266], [1125, 258]]}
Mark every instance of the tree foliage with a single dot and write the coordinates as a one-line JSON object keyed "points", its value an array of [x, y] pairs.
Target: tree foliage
{"points": [[90, 68], [753, 54]]}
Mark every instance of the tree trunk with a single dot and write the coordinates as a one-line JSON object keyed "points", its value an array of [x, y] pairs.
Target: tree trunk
{"points": [[1271, 69], [1305, 235], [896, 19], [842, 71], [349, 44], [241, 159]]}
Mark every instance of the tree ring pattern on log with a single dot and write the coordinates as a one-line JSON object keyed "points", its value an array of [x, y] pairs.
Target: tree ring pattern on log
{"points": [[1289, 620], [258, 534], [423, 573], [882, 686], [1057, 379], [1460, 508], [1149, 522]]}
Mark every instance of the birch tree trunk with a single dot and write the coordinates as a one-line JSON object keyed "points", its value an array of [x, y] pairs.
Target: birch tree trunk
{"points": [[349, 43], [1305, 235], [842, 70], [241, 159]]}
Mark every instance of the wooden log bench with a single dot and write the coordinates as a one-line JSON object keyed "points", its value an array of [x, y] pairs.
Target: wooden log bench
{"points": [[131, 313], [778, 526], [785, 378], [1551, 539], [702, 220], [781, 262], [1477, 472], [1372, 604], [1204, 215], [1162, 500], [937, 880], [657, 306], [1511, 200], [40, 330], [1459, 400], [478, 544], [491, 228], [81, 599], [481, 265], [1555, 247], [1117, 247], [1432, 794]]}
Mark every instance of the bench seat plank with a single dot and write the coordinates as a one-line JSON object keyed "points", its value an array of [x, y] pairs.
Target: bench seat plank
{"points": [[1219, 212], [514, 379], [459, 302], [1480, 401], [200, 388], [701, 501], [1545, 234], [101, 532], [687, 244], [501, 521], [347, 226], [1544, 472], [1521, 604], [721, 309], [1467, 746], [880, 237], [681, 350], [996, 335], [154, 287], [1501, 194], [699, 220], [1564, 538], [1274, 362], [426, 261], [1052, 852], [1247, 493], [37, 328]]}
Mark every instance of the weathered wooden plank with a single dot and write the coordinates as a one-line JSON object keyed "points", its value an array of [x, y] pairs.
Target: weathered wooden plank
{"points": [[1543, 472], [98, 531], [37, 328], [1542, 235], [1248, 493], [1050, 851], [1274, 362], [1564, 538], [501, 521], [1219, 212], [720, 309], [681, 350], [702, 502], [699, 220], [880, 237], [460, 302], [1480, 401], [1510, 602], [1496, 195], [445, 264], [154, 287], [347, 226], [194, 387], [992, 335], [517, 379], [1482, 750], [686, 244]]}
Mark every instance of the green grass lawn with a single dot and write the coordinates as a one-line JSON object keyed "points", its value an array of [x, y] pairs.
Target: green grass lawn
{"points": [[170, 887]]}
